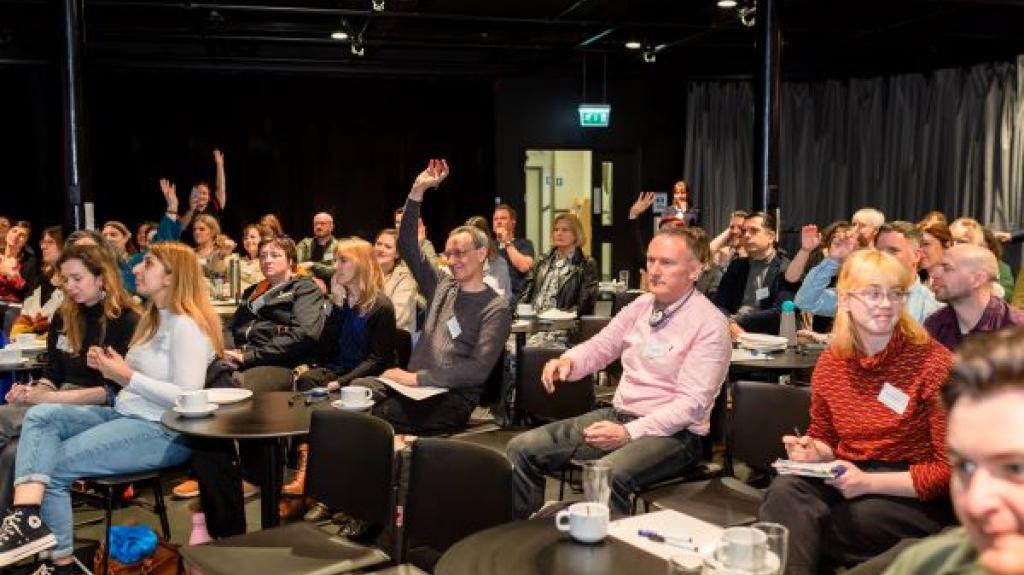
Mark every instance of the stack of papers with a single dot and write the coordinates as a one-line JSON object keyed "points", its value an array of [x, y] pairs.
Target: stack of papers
{"points": [[419, 392], [763, 342], [803, 469], [555, 314]]}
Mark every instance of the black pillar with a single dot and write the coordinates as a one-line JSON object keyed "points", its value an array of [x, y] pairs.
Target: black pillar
{"points": [[767, 107], [71, 89]]}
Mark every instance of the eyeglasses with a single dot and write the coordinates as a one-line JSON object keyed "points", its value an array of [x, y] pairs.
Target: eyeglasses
{"points": [[455, 254], [875, 296]]}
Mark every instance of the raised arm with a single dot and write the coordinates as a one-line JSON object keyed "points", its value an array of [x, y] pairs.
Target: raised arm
{"points": [[810, 240], [408, 234], [221, 193]]}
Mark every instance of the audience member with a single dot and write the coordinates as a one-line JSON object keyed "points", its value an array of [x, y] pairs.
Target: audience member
{"points": [[464, 333], [201, 201], [212, 259], [728, 245], [985, 399], [517, 252], [38, 308], [5, 226], [496, 273], [18, 268], [119, 238], [875, 417], [270, 222], [565, 278], [970, 231], [421, 233], [935, 239], [316, 254], [399, 285], [97, 312], [675, 349], [753, 287], [711, 275], [682, 207], [144, 234], [814, 248], [177, 337], [866, 222], [249, 257], [963, 281]]}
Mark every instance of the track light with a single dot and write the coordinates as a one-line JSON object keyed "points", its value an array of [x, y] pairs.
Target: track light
{"points": [[634, 45], [726, 3], [339, 35], [378, 5]]}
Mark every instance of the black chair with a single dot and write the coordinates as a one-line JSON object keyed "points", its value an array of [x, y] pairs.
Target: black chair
{"points": [[403, 347], [534, 403], [455, 489], [761, 414], [351, 469], [623, 299]]}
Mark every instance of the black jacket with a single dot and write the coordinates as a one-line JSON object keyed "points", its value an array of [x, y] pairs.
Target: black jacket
{"points": [[729, 296], [378, 352], [577, 290], [285, 330]]}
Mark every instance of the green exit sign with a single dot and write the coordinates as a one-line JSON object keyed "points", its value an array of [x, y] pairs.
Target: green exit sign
{"points": [[595, 115]]}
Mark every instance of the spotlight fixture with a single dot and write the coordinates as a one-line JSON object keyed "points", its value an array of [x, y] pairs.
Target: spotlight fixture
{"points": [[378, 5], [726, 3], [339, 35], [357, 47], [634, 45], [650, 56]]}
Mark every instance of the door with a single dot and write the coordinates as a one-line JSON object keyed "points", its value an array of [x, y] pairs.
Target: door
{"points": [[615, 177]]}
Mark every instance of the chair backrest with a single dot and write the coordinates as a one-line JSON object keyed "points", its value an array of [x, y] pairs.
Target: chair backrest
{"points": [[761, 414], [622, 299], [571, 398], [351, 464], [455, 489], [589, 326], [403, 347]]}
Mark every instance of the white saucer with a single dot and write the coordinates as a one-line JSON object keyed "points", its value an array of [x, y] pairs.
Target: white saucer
{"points": [[210, 408], [362, 406], [771, 560], [225, 395]]}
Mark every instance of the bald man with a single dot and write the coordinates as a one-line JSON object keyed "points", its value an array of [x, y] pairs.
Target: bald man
{"points": [[316, 254], [963, 280]]}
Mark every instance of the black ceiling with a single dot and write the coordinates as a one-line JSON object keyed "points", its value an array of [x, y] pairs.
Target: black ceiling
{"points": [[496, 38]]}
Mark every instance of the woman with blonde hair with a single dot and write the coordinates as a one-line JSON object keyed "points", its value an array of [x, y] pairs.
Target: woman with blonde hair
{"points": [[212, 258], [565, 278], [177, 337], [875, 421], [359, 337]]}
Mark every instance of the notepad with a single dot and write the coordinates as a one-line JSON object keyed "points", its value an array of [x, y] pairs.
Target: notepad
{"points": [[417, 392], [803, 469]]}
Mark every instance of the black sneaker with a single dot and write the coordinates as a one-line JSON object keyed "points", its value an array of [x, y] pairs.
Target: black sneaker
{"points": [[22, 534], [47, 568]]}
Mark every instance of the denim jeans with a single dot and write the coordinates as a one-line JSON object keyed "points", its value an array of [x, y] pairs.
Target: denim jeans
{"points": [[636, 464], [62, 443]]}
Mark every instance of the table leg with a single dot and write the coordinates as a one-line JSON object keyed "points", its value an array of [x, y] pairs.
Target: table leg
{"points": [[517, 381], [270, 482]]}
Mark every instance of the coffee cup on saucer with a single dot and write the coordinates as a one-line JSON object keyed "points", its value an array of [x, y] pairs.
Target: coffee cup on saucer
{"points": [[192, 401], [355, 395], [743, 548], [10, 355], [587, 522], [25, 339]]}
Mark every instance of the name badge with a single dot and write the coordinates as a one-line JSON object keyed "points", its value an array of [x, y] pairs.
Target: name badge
{"points": [[62, 344], [653, 349], [454, 329], [761, 294], [893, 398]]}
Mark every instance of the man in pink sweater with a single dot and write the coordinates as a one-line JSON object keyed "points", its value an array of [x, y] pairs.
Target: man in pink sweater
{"points": [[675, 350]]}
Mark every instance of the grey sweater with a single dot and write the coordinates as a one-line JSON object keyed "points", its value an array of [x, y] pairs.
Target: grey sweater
{"points": [[463, 362]]}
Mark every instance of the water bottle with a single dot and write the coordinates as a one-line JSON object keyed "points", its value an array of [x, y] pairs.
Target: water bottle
{"points": [[235, 279], [787, 325]]}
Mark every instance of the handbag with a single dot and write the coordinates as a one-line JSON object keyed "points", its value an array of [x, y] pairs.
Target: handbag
{"points": [[165, 560]]}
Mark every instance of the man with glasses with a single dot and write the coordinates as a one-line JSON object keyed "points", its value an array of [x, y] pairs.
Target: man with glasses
{"points": [[464, 332], [901, 239], [753, 287], [963, 280]]}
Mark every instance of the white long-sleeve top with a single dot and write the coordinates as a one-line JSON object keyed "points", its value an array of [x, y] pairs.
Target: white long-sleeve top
{"points": [[173, 361]]}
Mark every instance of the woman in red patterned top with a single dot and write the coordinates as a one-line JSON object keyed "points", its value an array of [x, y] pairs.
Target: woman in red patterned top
{"points": [[876, 419], [18, 268]]}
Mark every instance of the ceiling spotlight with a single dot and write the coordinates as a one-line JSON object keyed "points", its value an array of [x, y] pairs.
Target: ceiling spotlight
{"points": [[726, 3], [650, 56], [339, 35], [634, 45], [357, 48], [378, 5]]}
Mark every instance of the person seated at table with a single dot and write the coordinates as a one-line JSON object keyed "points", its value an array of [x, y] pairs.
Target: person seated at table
{"points": [[249, 257], [866, 222], [815, 248], [177, 337], [316, 254], [710, 276], [119, 238], [38, 308], [753, 287], [935, 240], [144, 234], [984, 398], [464, 332], [876, 421], [496, 272], [212, 258], [518, 253], [728, 245], [272, 223], [399, 285], [675, 350], [98, 311], [565, 278], [18, 267], [279, 320]]}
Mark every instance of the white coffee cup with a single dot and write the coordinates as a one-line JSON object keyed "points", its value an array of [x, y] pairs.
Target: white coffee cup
{"points": [[742, 548], [25, 339], [524, 309], [587, 522], [356, 395], [192, 400]]}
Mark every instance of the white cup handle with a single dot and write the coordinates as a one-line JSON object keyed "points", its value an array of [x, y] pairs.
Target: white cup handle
{"points": [[368, 393], [177, 401], [562, 520]]}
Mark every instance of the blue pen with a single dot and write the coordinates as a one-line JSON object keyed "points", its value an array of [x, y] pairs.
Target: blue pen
{"points": [[683, 542], [838, 471]]}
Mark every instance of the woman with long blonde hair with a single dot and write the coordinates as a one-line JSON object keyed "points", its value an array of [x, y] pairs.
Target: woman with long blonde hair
{"points": [[877, 424], [177, 337]]}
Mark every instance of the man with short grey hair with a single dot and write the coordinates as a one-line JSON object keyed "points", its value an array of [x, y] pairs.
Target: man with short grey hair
{"points": [[316, 254]]}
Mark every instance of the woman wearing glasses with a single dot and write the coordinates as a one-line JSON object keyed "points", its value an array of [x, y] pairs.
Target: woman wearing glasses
{"points": [[877, 424]]}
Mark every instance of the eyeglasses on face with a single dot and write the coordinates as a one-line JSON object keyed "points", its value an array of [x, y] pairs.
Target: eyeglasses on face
{"points": [[875, 296]]}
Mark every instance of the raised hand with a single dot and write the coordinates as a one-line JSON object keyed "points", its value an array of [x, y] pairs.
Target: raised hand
{"points": [[170, 193], [642, 203], [218, 157], [432, 176], [842, 247], [810, 239]]}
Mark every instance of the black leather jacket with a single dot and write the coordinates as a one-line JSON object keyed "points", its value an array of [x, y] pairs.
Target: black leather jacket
{"points": [[285, 330], [577, 290]]}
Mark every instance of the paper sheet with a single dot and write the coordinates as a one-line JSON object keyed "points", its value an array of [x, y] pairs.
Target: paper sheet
{"points": [[418, 393], [668, 523], [741, 354], [790, 467]]}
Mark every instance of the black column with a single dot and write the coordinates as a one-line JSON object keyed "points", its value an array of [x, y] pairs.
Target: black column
{"points": [[72, 108], [767, 107]]}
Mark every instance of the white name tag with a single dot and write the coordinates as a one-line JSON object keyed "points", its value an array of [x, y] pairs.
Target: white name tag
{"points": [[454, 329], [893, 398], [654, 350], [62, 344], [761, 294]]}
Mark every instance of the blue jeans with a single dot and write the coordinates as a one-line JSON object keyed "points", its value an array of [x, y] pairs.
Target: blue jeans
{"points": [[62, 443], [636, 464]]}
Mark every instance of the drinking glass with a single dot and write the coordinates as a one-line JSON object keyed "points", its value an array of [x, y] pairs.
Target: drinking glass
{"points": [[624, 278], [597, 481], [778, 542]]}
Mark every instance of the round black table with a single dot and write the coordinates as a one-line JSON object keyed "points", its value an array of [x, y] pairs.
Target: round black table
{"points": [[536, 547], [265, 419], [790, 360]]}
